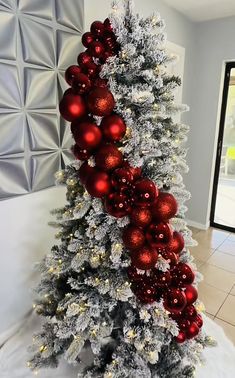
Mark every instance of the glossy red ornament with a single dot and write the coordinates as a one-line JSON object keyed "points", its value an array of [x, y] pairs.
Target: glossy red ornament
{"points": [[96, 49], [176, 244], [117, 205], [72, 106], [71, 73], [162, 279], [175, 301], [144, 258], [85, 171], [113, 128], [88, 135], [75, 124], [136, 171], [108, 157], [158, 234], [87, 39], [190, 313], [133, 275], [191, 294], [199, 321], [170, 257], [146, 294], [110, 41], [81, 83], [141, 216], [107, 25], [184, 274], [181, 337], [84, 58], [92, 70], [98, 184], [165, 207], [145, 192], [100, 101], [133, 237], [192, 331], [79, 153], [98, 82], [183, 324], [121, 178], [97, 28]]}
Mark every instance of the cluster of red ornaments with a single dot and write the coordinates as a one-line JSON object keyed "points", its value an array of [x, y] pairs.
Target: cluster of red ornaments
{"points": [[123, 189]]}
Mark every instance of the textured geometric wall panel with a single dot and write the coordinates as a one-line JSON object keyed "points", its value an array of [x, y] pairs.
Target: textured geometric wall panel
{"points": [[39, 39]]}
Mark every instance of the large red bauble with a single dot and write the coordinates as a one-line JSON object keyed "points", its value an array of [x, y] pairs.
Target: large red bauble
{"points": [[107, 25], [141, 216], [87, 39], [176, 244], [133, 237], [175, 301], [165, 207], [162, 280], [192, 331], [134, 276], [146, 294], [145, 192], [190, 313], [158, 234], [117, 205], [91, 70], [85, 171], [108, 157], [79, 153], [121, 178], [181, 337], [113, 128], [84, 58], [191, 294], [97, 28], [185, 275], [144, 258], [72, 106], [71, 73], [88, 135], [98, 184], [96, 49], [199, 321], [75, 124], [81, 83], [170, 257], [100, 101]]}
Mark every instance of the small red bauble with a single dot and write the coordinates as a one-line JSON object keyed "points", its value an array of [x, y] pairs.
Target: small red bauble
{"points": [[184, 274], [191, 294], [183, 324], [158, 234], [107, 25], [88, 135], [108, 157], [117, 205], [85, 171], [96, 49], [84, 58], [81, 83], [162, 279], [91, 70], [97, 28], [121, 178], [133, 237], [71, 73], [165, 207], [72, 106], [176, 244], [175, 301], [98, 184], [181, 337], [146, 294], [145, 192], [79, 153], [144, 258], [190, 313], [141, 216], [199, 321], [170, 257], [134, 276], [87, 39], [100, 83], [192, 331], [100, 101], [113, 128]]}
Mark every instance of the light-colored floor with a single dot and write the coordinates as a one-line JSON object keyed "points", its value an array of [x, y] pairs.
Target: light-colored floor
{"points": [[215, 259], [225, 202]]}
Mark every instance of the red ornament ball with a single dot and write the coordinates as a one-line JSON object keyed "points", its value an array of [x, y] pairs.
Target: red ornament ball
{"points": [[108, 157], [107, 54], [144, 258], [98, 184], [170, 257], [110, 41], [184, 274], [97, 28], [88, 135], [96, 49], [87, 39], [92, 70], [79, 153], [145, 192], [71, 73], [141, 216], [72, 106], [146, 294], [81, 83], [190, 313], [133, 237], [136, 171], [191, 294], [158, 234], [113, 128], [192, 331], [85, 171], [121, 178], [176, 244], [100, 83], [199, 321], [165, 208], [183, 324], [181, 337], [84, 58], [117, 205], [107, 25], [175, 301], [100, 101], [162, 279]]}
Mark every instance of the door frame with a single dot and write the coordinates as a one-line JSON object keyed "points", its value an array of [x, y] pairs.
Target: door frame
{"points": [[228, 68]]}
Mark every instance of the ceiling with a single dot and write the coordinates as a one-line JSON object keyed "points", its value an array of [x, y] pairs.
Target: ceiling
{"points": [[203, 10]]}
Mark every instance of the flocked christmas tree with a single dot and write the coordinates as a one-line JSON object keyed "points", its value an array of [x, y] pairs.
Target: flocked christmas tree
{"points": [[122, 284]]}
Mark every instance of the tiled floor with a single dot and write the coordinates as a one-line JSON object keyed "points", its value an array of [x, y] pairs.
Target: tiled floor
{"points": [[215, 259]]}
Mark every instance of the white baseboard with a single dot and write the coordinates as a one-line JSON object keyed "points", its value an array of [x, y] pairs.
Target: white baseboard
{"points": [[200, 226]]}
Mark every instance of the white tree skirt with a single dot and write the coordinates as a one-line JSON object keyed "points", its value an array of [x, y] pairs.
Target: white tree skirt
{"points": [[220, 360]]}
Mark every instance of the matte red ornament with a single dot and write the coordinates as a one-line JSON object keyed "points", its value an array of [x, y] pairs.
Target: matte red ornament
{"points": [[184, 274], [165, 207], [176, 244], [199, 321], [107, 25], [133, 237], [141, 216], [117, 205], [84, 58], [85, 171], [71, 73], [100, 83], [92, 70], [170, 257], [145, 192], [162, 279], [97, 28], [121, 178], [158, 234], [72, 106], [136, 171], [133, 275], [96, 49], [113, 128], [88, 135], [191, 294], [181, 337], [108, 157], [190, 313], [81, 83], [144, 258], [98, 184], [146, 294], [87, 39], [79, 153], [192, 331], [100, 101], [175, 301]]}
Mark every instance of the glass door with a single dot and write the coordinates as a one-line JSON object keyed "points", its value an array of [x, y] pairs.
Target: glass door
{"points": [[223, 199]]}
